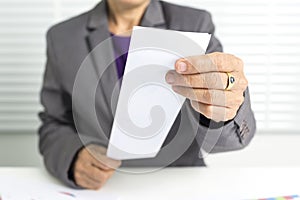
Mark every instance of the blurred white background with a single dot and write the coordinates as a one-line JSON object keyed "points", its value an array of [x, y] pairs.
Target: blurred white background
{"points": [[264, 33]]}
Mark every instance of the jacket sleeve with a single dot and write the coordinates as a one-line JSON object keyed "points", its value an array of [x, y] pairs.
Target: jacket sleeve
{"points": [[58, 140], [224, 136]]}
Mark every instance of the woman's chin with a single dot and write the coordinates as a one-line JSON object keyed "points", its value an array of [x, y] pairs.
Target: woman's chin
{"points": [[130, 3]]}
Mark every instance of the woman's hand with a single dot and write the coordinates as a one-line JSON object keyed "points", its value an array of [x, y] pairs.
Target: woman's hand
{"points": [[204, 80], [93, 168]]}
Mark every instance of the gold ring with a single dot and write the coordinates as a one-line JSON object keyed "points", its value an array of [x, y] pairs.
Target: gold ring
{"points": [[230, 81]]}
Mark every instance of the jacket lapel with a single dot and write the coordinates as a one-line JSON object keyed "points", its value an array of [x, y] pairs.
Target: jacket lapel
{"points": [[108, 83], [98, 32]]}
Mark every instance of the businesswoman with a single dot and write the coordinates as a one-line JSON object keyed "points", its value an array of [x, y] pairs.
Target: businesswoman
{"points": [[214, 84]]}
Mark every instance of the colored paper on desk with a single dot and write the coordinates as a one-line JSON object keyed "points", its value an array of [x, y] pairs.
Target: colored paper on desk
{"points": [[290, 197], [147, 106]]}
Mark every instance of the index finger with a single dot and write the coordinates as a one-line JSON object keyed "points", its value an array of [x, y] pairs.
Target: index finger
{"points": [[214, 62]]}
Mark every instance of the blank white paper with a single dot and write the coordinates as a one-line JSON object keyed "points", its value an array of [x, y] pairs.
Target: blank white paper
{"points": [[149, 101]]}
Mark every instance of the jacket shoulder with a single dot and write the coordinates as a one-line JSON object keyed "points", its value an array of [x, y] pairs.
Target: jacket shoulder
{"points": [[188, 18], [71, 26]]}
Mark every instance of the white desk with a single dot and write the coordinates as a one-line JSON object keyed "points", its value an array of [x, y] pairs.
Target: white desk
{"points": [[182, 183]]}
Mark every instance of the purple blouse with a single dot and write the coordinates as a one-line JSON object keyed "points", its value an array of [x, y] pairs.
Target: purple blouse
{"points": [[120, 44]]}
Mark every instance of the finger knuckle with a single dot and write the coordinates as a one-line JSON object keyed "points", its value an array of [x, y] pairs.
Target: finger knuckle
{"points": [[233, 114], [240, 100], [77, 176], [208, 111], [81, 156], [207, 96], [95, 174], [234, 99], [244, 82], [230, 114], [78, 166]]}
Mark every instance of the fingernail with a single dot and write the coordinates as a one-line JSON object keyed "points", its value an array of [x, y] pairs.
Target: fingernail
{"points": [[170, 78], [182, 67]]}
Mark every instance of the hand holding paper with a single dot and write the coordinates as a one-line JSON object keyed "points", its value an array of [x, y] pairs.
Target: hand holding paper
{"points": [[204, 79]]}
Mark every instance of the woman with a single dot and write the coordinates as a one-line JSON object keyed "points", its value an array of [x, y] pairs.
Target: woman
{"points": [[217, 79]]}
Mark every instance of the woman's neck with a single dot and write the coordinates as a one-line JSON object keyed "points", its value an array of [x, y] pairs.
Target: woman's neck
{"points": [[122, 17]]}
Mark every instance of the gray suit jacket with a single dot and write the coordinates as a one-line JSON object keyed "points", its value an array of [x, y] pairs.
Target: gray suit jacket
{"points": [[69, 42]]}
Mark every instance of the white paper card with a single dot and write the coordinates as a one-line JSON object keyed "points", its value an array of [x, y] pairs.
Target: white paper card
{"points": [[147, 106]]}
